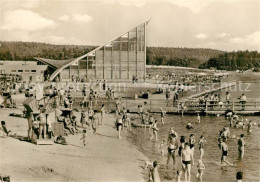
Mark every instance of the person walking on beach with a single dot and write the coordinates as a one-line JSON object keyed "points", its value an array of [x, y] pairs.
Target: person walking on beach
{"points": [[224, 150], [155, 130], [198, 118], [201, 146], [103, 112], [241, 147], [187, 161], [162, 115], [119, 124], [172, 147], [84, 136], [95, 122]]}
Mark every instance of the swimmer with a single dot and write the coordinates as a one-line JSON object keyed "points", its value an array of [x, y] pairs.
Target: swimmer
{"points": [[178, 177], [162, 115], [201, 145], [187, 161], [189, 126], [154, 174], [239, 176], [224, 150], [161, 147], [182, 141], [172, 147], [250, 127], [241, 147], [172, 132], [201, 167], [198, 118], [155, 130], [192, 142]]}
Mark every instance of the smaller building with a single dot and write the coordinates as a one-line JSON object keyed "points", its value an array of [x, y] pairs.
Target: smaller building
{"points": [[27, 69]]}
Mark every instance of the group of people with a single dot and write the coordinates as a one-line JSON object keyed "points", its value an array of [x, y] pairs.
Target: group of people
{"points": [[185, 149]]}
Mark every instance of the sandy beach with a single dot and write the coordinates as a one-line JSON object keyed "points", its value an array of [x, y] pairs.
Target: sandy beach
{"points": [[106, 158]]}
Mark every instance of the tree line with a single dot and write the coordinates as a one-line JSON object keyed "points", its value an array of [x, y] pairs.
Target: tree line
{"points": [[185, 57], [240, 60]]}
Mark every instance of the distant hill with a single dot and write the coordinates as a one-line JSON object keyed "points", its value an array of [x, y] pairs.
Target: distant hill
{"points": [[240, 60], [28, 50], [185, 57]]}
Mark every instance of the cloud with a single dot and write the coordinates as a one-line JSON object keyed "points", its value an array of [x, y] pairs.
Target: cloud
{"points": [[201, 36], [82, 18], [222, 35], [25, 20], [64, 18]]}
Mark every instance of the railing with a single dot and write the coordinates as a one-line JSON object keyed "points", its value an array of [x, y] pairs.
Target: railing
{"points": [[235, 105]]}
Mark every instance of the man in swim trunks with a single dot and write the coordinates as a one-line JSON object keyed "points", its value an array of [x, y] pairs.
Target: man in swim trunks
{"points": [[172, 147], [224, 150], [155, 130], [119, 125], [162, 115], [241, 147], [187, 161]]}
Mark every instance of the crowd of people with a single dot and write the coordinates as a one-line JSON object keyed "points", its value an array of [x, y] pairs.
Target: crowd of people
{"points": [[184, 147]]}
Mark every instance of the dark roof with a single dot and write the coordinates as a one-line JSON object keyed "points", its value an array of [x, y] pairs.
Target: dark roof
{"points": [[54, 63]]}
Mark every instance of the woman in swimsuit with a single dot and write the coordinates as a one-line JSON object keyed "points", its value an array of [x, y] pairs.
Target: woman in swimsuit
{"points": [[192, 142], [182, 141], [201, 146]]}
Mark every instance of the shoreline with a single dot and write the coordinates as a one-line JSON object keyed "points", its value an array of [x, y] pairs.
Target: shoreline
{"points": [[106, 158]]}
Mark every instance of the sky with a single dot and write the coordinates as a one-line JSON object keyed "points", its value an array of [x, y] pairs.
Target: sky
{"points": [[227, 25]]}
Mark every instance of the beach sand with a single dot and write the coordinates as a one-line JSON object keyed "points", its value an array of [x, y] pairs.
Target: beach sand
{"points": [[106, 158]]}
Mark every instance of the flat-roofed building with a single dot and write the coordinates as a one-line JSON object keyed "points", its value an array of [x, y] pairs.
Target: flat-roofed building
{"points": [[120, 59], [27, 69]]}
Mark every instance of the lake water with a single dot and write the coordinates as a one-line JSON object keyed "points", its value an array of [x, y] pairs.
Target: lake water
{"points": [[209, 127]]}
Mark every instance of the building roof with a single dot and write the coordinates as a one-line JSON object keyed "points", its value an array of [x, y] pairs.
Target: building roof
{"points": [[89, 54], [55, 63]]}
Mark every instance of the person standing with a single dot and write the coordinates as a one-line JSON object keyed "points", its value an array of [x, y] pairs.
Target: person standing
{"points": [[103, 112], [162, 115], [119, 124], [201, 146], [224, 150], [155, 130], [187, 161], [241, 147], [172, 147], [243, 101]]}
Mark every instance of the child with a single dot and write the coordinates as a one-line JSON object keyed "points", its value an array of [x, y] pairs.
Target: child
{"points": [[5, 130], [178, 177], [201, 167], [198, 118], [161, 147], [154, 174], [84, 136]]}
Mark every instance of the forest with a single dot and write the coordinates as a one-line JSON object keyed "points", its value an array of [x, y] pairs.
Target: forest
{"points": [[240, 60], [185, 57]]}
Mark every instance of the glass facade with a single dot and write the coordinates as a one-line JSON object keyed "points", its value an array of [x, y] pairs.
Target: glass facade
{"points": [[121, 58]]}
